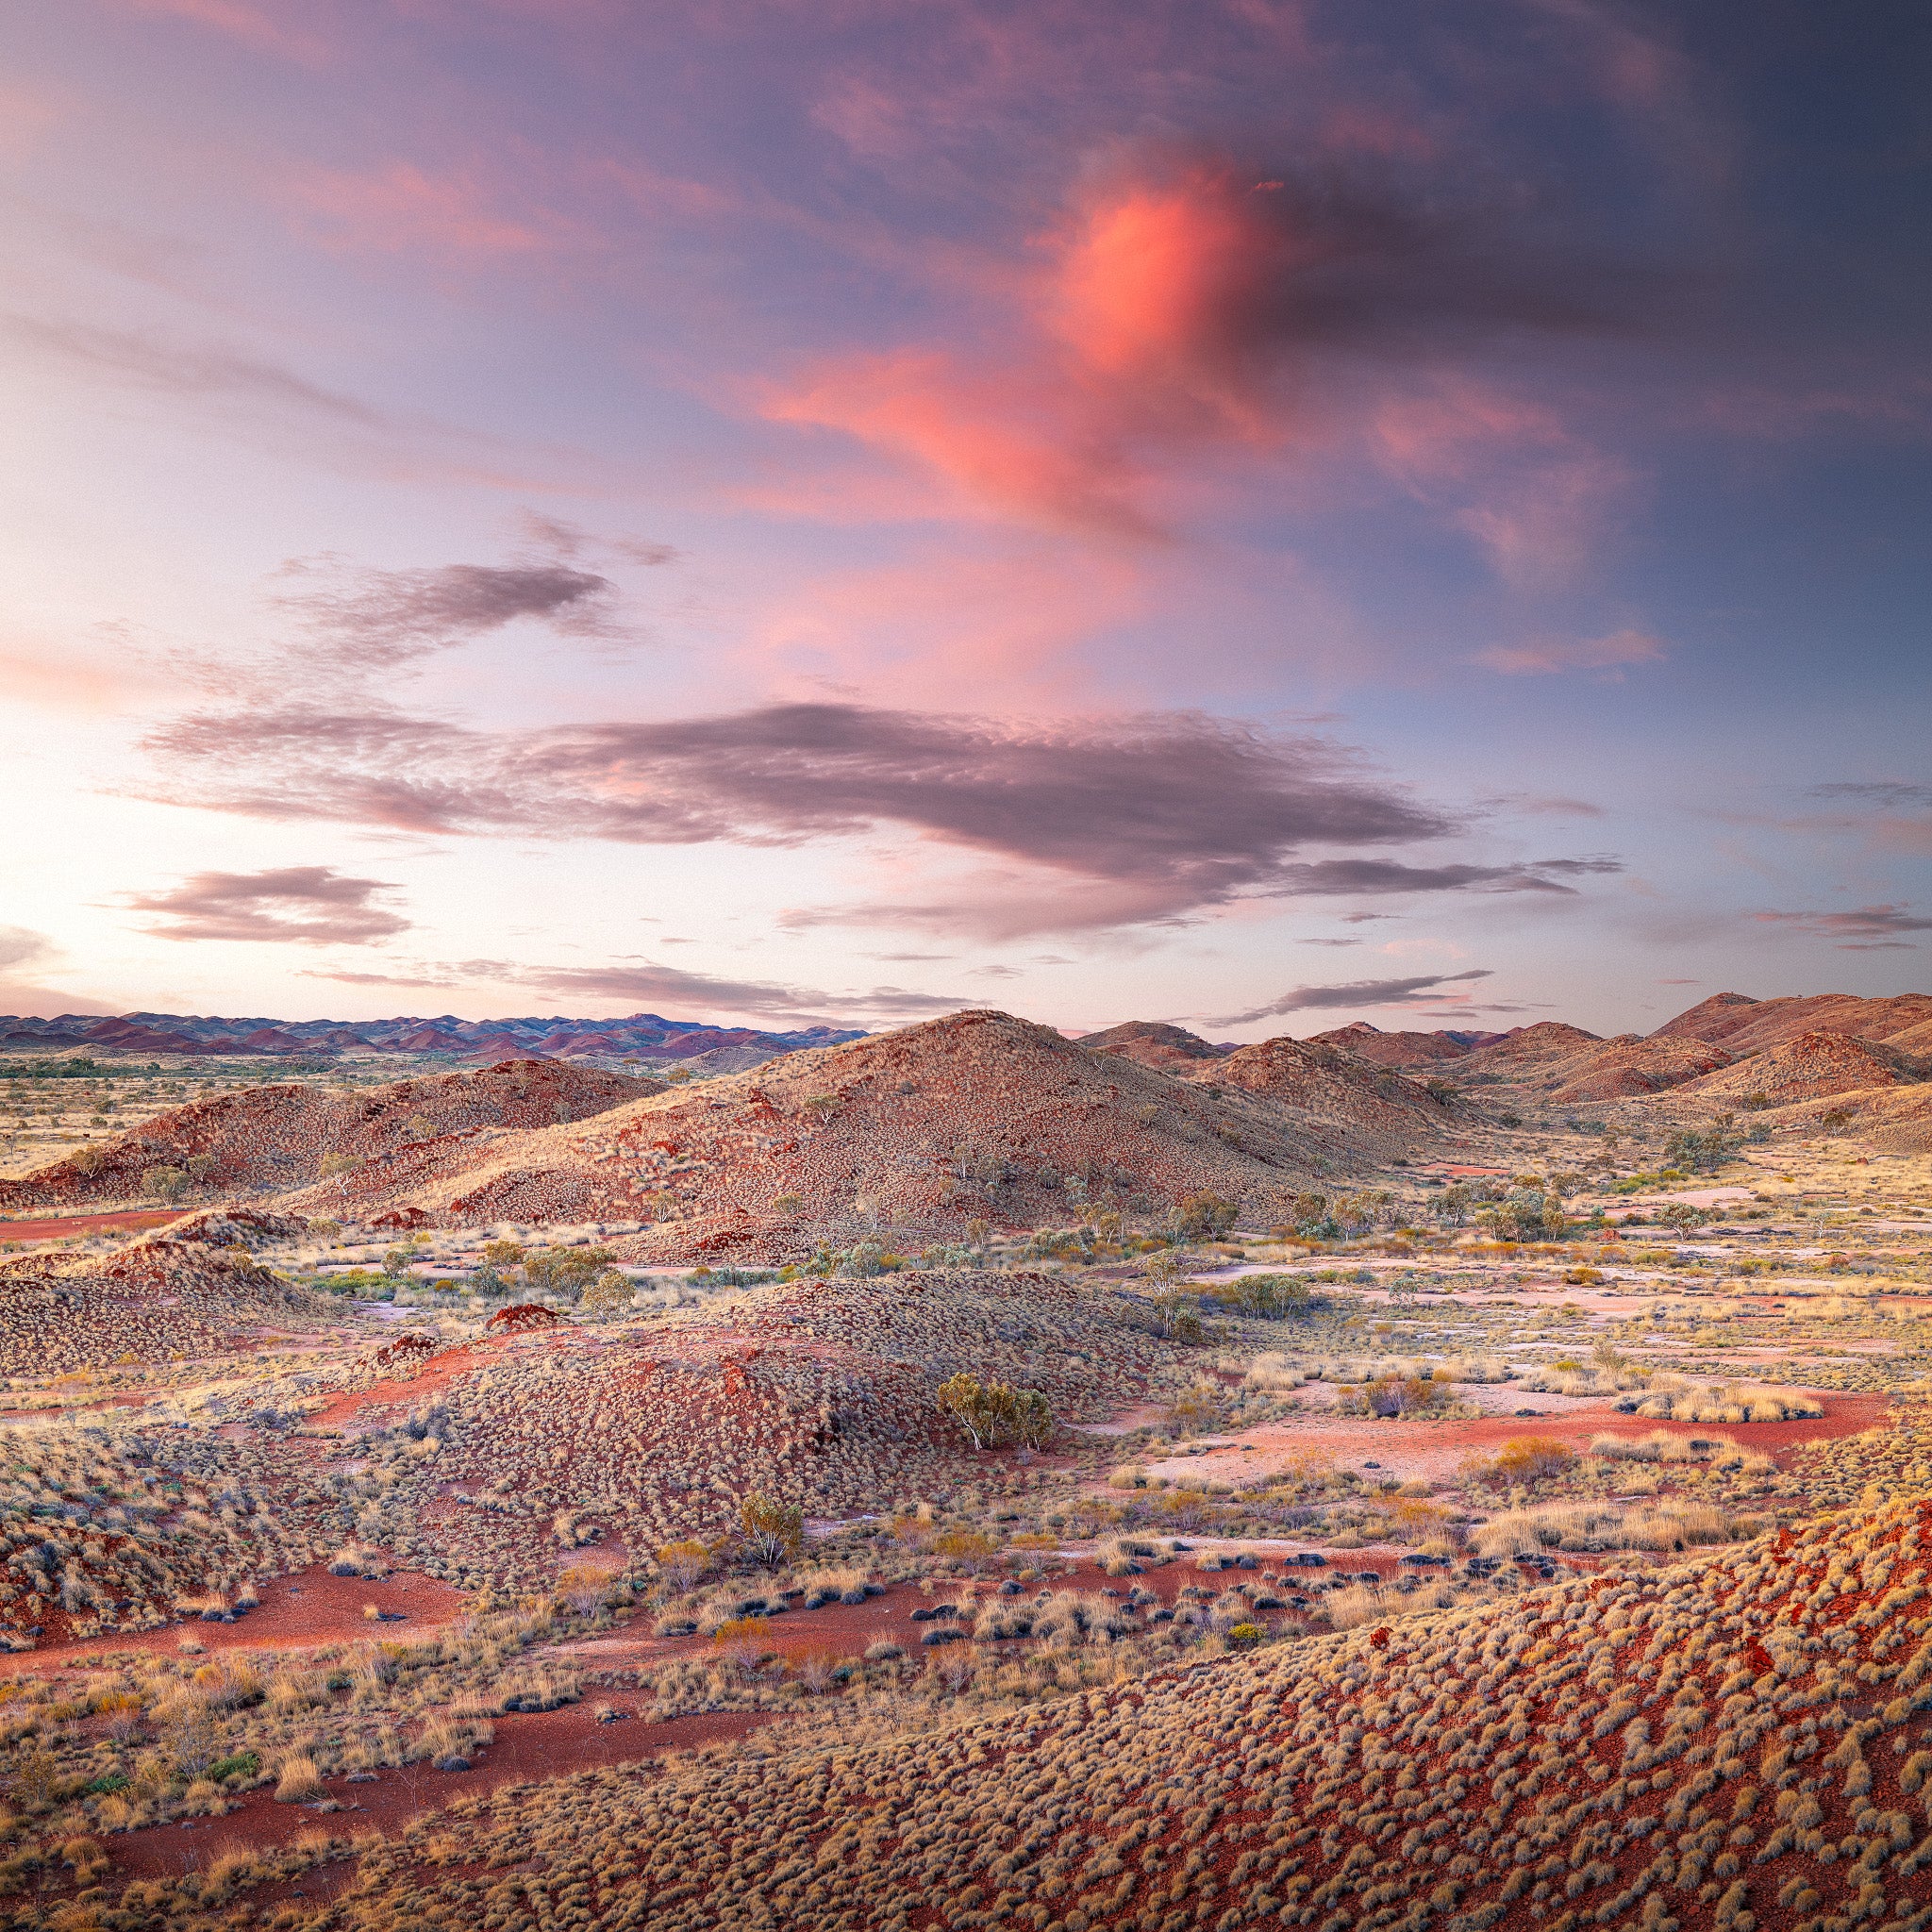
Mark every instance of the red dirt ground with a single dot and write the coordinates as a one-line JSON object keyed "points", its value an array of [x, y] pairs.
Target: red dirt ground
{"points": [[55, 1228], [1436, 1449], [437, 1375], [308, 1608], [529, 1746]]}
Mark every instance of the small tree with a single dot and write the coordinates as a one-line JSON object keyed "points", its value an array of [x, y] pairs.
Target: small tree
{"points": [[995, 1412], [610, 1293], [1033, 1419], [682, 1563], [1203, 1215], [962, 1397], [165, 1183], [773, 1531], [1680, 1217]]}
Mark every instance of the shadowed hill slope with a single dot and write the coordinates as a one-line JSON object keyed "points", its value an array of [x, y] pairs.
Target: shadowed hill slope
{"points": [[1725, 1746], [976, 1115], [278, 1137]]}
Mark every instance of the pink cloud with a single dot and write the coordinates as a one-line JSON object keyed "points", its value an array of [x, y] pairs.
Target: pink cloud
{"points": [[1610, 654], [268, 28], [1187, 309], [1507, 469], [991, 434], [400, 208]]}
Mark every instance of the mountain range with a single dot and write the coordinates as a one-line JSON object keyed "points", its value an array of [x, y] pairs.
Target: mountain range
{"points": [[638, 1035]]}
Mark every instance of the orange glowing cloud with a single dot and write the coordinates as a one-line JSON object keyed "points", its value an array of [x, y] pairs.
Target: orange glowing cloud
{"points": [[1188, 309], [1156, 295]]}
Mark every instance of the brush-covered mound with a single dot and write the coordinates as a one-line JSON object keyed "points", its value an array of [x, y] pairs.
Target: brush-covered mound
{"points": [[1526, 1050], [921, 1130], [1173, 1049], [1359, 1109], [1393, 1049], [1628, 1066], [1742, 1025], [1812, 1066], [278, 1137], [113, 1523], [818, 1393], [1729, 1744], [185, 1290]]}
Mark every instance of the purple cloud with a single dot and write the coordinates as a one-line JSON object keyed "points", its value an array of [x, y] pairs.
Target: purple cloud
{"points": [[306, 905], [1867, 929], [1357, 993], [379, 618]]}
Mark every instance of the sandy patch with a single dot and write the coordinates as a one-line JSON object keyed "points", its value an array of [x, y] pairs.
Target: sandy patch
{"points": [[529, 1747], [303, 1609], [57, 1226], [1433, 1452]]}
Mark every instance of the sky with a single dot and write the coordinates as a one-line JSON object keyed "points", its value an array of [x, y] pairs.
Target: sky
{"points": [[1254, 514]]}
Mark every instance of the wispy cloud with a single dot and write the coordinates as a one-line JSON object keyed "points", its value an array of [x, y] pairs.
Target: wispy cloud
{"points": [[1610, 656], [642, 984], [256, 400], [304, 904], [1865, 929], [1356, 992], [378, 619], [1165, 814], [1363, 876]]}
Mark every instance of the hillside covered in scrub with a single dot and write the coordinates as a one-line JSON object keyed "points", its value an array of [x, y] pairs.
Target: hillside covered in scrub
{"points": [[978, 1115], [275, 1139], [1736, 1743]]}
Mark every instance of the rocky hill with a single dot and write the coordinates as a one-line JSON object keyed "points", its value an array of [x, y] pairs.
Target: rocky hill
{"points": [[1807, 1066], [1399, 1049], [1741, 1025], [274, 1138], [1363, 1112], [1154, 1045], [978, 1115]]}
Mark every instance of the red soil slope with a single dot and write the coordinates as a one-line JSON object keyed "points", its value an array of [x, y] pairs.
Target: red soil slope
{"points": [[978, 1114], [1623, 1068], [1173, 1049], [183, 1290], [277, 1138], [1809, 1066], [1742, 1025], [1391, 1049], [1729, 1743]]}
